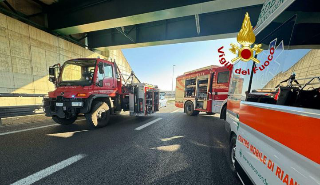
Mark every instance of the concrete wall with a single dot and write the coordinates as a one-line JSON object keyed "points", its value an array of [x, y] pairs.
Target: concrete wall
{"points": [[307, 67], [26, 54]]}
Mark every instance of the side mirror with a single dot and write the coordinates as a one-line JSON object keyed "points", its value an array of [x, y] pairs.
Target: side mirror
{"points": [[101, 69], [52, 71], [52, 79], [52, 74], [100, 83]]}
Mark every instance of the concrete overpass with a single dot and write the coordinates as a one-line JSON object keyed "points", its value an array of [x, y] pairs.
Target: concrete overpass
{"points": [[116, 24], [126, 24]]}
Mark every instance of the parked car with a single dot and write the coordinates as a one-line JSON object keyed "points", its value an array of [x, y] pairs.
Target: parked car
{"points": [[162, 100]]}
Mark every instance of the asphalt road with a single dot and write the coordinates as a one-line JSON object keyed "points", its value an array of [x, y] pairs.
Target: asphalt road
{"points": [[172, 148]]}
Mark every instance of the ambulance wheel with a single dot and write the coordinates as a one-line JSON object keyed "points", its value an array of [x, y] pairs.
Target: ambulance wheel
{"points": [[209, 113], [190, 109], [64, 121], [99, 115], [232, 153]]}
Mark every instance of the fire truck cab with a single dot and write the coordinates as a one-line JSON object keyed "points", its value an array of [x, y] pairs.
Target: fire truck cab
{"points": [[203, 90]]}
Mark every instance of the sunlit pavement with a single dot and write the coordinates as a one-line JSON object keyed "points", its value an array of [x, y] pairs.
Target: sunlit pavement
{"points": [[166, 148]]}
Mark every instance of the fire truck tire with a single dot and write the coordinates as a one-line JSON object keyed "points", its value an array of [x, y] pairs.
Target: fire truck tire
{"points": [[232, 150], [209, 113], [64, 121], [190, 109], [117, 112], [195, 113], [99, 115], [223, 114]]}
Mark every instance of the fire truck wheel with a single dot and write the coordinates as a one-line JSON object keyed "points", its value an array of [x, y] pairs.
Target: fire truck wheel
{"points": [[117, 112], [232, 153], [99, 115], [223, 114], [64, 121], [190, 109]]}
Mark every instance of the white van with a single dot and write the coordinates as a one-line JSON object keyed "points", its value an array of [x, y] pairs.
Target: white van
{"points": [[273, 115]]}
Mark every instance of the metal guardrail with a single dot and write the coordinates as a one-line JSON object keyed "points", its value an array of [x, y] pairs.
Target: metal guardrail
{"points": [[12, 111], [21, 95]]}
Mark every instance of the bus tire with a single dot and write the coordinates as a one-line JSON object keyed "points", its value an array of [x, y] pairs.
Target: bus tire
{"points": [[189, 108], [64, 121], [99, 115]]}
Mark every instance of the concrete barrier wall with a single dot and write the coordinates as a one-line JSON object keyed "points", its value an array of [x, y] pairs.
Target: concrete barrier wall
{"points": [[26, 54], [307, 67]]}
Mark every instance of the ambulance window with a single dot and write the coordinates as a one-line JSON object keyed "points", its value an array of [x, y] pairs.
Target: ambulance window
{"points": [[223, 77], [288, 73]]}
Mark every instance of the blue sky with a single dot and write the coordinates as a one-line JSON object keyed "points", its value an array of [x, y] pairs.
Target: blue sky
{"points": [[153, 64]]}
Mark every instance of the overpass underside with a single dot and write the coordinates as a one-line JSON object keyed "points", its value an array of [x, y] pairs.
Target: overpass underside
{"points": [[200, 27], [116, 24], [126, 24]]}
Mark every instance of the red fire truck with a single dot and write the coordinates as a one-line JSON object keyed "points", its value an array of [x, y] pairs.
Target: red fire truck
{"points": [[203, 90], [95, 87]]}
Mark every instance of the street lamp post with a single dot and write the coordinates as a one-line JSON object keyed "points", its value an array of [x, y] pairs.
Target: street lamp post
{"points": [[172, 76]]}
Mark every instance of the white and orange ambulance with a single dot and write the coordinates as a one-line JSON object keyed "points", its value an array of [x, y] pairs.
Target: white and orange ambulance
{"points": [[273, 113]]}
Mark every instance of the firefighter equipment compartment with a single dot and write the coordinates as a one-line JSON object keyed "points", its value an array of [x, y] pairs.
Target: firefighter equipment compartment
{"points": [[144, 100], [190, 88], [202, 92]]}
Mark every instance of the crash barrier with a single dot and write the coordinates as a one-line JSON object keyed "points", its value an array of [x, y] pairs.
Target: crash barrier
{"points": [[13, 111]]}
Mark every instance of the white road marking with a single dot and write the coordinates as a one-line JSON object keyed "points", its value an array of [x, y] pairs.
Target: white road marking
{"points": [[28, 129], [147, 124], [48, 171], [175, 111], [17, 131]]}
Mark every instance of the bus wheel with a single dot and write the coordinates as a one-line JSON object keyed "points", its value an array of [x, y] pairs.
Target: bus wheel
{"points": [[232, 153], [99, 115], [190, 109]]}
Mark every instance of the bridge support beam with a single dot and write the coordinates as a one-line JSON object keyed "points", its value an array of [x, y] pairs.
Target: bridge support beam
{"points": [[217, 25]]}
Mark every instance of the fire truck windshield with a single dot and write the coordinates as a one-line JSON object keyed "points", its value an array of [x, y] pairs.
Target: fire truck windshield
{"points": [[77, 72]]}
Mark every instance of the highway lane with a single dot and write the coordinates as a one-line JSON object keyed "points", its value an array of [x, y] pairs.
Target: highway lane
{"points": [[173, 149]]}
